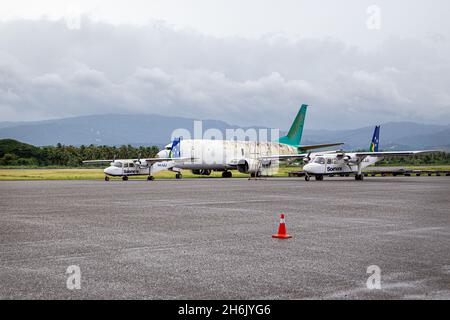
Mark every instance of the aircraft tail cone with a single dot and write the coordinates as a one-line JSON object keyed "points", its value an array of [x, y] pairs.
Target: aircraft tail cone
{"points": [[282, 230]]}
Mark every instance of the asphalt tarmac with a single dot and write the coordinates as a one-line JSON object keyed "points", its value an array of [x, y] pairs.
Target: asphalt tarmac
{"points": [[211, 239]]}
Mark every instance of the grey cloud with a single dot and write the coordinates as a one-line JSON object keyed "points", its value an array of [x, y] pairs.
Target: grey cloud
{"points": [[48, 70]]}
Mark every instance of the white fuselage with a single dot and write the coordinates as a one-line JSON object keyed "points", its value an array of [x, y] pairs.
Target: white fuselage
{"points": [[224, 154], [326, 164], [125, 167]]}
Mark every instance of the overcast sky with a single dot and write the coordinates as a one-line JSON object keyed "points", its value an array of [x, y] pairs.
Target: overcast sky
{"points": [[245, 62]]}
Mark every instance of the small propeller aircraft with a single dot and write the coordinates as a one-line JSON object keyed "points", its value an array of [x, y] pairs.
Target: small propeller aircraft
{"points": [[137, 167], [341, 162]]}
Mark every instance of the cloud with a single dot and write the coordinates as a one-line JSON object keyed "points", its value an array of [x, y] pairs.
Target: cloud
{"points": [[48, 70]]}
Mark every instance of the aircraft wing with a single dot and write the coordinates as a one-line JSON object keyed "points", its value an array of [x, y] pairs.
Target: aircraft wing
{"points": [[97, 161], [297, 155], [387, 154], [284, 156], [318, 146], [154, 160]]}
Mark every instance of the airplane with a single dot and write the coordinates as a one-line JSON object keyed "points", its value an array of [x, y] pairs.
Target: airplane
{"points": [[135, 167], [341, 162], [249, 157], [202, 156]]}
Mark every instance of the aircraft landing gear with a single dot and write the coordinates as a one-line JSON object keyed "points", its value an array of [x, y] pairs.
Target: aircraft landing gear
{"points": [[125, 178], [359, 177], [319, 177], [150, 178], [255, 174], [178, 176], [227, 174], [307, 177], [106, 178]]}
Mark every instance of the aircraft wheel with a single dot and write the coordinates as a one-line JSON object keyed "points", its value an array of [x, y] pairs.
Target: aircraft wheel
{"points": [[359, 177], [307, 178], [106, 178], [125, 178], [319, 178], [226, 174], [178, 176], [150, 178]]}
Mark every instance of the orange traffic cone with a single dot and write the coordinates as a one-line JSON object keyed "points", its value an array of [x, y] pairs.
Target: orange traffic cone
{"points": [[282, 230]]}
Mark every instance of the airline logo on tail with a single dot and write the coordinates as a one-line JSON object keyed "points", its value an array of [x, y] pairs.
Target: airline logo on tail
{"points": [[294, 135], [175, 149], [375, 140]]}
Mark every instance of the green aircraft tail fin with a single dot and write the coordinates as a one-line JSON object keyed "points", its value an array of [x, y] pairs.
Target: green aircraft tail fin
{"points": [[294, 135]]}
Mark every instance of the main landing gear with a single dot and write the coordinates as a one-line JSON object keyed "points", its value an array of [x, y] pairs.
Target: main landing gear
{"points": [[150, 178], [125, 178], [318, 177], [227, 174], [178, 176], [359, 177]]}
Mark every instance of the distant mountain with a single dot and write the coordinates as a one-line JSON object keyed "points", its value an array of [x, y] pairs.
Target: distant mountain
{"points": [[393, 136], [109, 129], [146, 130]]}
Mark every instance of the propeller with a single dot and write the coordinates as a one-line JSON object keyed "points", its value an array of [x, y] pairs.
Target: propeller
{"points": [[307, 158]]}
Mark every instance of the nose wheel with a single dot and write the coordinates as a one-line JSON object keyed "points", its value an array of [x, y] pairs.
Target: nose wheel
{"points": [[150, 178], [106, 178], [125, 178], [178, 176], [307, 177]]}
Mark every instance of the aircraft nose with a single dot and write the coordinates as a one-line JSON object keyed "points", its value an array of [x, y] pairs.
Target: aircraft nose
{"points": [[162, 154], [311, 167], [107, 170]]}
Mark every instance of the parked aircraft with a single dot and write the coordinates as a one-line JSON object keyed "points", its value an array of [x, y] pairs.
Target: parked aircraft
{"points": [[135, 167], [254, 158], [341, 162], [203, 156]]}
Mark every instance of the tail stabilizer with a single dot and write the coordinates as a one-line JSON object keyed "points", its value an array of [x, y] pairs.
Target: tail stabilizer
{"points": [[294, 135], [175, 148], [375, 139]]}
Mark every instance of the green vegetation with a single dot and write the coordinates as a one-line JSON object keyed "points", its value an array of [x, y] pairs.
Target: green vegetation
{"points": [[432, 159], [21, 161], [17, 154]]}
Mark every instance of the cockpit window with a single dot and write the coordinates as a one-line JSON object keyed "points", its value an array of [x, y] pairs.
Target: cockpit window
{"points": [[320, 160], [117, 164], [168, 147]]}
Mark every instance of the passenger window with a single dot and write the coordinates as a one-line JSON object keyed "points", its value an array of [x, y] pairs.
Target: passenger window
{"points": [[328, 161]]}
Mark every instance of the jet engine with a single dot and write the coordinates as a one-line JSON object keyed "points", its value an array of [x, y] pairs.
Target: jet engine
{"points": [[247, 166]]}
